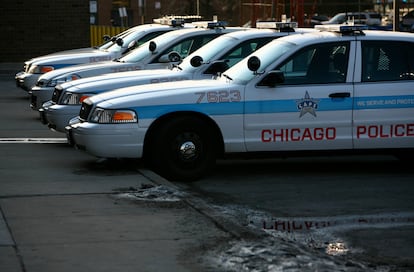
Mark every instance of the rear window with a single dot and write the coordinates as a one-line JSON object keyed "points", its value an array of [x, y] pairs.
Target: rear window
{"points": [[387, 60]]}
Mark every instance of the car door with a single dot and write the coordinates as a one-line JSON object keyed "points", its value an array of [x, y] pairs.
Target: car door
{"points": [[311, 109], [384, 95]]}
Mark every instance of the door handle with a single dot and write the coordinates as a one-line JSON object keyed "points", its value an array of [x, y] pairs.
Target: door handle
{"points": [[340, 95]]}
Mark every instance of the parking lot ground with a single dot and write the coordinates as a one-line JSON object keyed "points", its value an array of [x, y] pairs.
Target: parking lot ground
{"points": [[102, 233], [63, 210]]}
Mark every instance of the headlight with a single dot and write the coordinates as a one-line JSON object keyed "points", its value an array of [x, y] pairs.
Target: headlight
{"points": [[60, 80], [69, 98], [103, 116], [40, 69]]}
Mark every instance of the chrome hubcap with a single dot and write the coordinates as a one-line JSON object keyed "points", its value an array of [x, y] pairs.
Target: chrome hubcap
{"points": [[188, 150]]}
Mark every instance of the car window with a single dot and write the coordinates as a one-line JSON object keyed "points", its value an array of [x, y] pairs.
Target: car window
{"points": [[244, 49], [387, 60], [375, 15], [317, 64], [241, 51], [151, 36], [187, 46]]}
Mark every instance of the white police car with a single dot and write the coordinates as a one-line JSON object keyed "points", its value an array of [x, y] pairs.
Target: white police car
{"points": [[114, 48], [213, 58], [158, 53], [347, 89]]}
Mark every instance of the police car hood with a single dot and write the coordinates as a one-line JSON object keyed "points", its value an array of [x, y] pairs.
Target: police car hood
{"points": [[111, 81], [74, 58], [96, 67], [155, 93], [66, 54]]}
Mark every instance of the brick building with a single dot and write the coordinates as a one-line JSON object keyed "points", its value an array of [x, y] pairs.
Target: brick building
{"points": [[32, 28], [235, 12]]}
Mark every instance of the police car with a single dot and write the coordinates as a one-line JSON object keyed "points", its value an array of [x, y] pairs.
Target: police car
{"points": [[213, 58], [341, 89], [114, 48], [158, 53]]}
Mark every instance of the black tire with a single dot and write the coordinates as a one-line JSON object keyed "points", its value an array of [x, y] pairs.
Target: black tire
{"points": [[183, 149]]}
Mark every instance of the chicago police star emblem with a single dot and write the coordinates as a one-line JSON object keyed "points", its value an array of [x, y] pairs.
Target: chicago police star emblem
{"points": [[307, 105]]}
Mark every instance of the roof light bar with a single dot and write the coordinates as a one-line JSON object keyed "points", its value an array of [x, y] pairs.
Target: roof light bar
{"points": [[176, 20], [342, 28], [210, 24], [276, 25]]}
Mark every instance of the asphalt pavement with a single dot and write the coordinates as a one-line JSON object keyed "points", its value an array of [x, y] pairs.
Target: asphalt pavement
{"points": [[62, 210]]}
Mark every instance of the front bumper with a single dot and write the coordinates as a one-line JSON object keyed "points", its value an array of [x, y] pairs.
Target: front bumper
{"points": [[39, 95], [58, 116], [107, 140], [26, 81]]}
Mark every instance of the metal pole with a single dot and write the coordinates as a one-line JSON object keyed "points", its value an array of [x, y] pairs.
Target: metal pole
{"points": [[396, 19], [198, 7]]}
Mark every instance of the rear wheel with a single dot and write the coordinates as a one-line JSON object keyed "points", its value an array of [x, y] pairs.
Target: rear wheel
{"points": [[183, 149]]}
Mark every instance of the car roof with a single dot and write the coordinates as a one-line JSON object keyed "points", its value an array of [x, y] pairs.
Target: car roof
{"points": [[317, 36]]}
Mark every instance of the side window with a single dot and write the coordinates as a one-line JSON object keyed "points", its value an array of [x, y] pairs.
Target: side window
{"points": [[387, 60], [317, 64]]}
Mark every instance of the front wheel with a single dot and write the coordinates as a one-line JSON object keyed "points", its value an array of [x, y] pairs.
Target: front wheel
{"points": [[182, 149]]}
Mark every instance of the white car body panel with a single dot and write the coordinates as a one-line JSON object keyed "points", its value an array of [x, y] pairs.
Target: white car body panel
{"points": [[138, 59], [348, 111], [58, 115], [27, 80]]}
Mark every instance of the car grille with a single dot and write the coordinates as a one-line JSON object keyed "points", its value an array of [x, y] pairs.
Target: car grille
{"points": [[84, 111], [56, 94]]}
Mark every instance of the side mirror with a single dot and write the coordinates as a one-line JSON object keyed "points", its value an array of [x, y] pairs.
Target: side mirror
{"points": [[272, 79], [106, 38], [174, 57], [217, 67], [196, 61], [131, 46], [170, 57], [119, 41]]}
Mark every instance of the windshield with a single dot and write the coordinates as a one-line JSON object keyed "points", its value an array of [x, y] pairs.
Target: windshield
{"points": [[105, 45], [127, 38], [208, 51], [268, 54], [143, 51], [338, 19]]}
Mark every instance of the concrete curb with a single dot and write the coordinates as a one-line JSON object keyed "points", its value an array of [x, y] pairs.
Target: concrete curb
{"points": [[235, 229]]}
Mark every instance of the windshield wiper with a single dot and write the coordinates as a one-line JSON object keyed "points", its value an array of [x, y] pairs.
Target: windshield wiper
{"points": [[228, 77], [177, 66]]}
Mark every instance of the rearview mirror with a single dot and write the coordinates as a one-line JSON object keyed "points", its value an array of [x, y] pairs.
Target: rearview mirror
{"points": [[217, 67], [272, 79]]}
